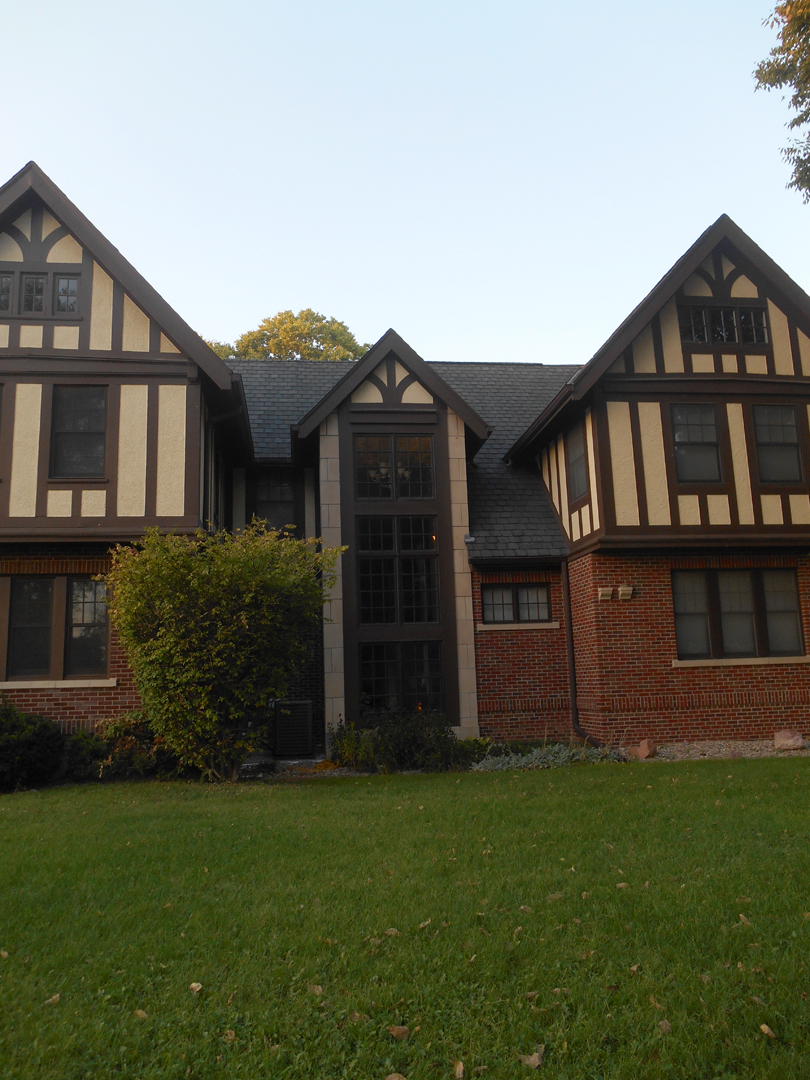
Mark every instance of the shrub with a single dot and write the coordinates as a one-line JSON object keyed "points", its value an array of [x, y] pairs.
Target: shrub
{"points": [[83, 756], [548, 756], [402, 740], [31, 748], [133, 750]]}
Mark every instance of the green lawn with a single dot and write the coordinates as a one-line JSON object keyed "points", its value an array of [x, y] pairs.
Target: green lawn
{"points": [[503, 889]]}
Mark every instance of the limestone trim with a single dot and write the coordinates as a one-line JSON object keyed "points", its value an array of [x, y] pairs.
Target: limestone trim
{"points": [[60, 684], [554, 625], [333, 653], [465, 626], [741, 661]]}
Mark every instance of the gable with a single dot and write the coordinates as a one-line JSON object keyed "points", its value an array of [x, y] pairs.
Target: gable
{"points": [[391, 384]]}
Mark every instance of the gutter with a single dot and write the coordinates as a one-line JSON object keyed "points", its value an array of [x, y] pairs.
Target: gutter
{"points": [[590, 740]]}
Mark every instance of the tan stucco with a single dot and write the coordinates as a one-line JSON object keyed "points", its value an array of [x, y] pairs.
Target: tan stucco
{"points": [[780, 334], [49, 224], [66, 337], [696, 286], [170, 496], [136, 328], [719, 511], [671, 338], [59, 502], [727, 265], [167, 346], [563, 483], [30, 337], [23, 223], [101, 310], [22, 494], [654, 460], [367, 394], [400, 372], [333, 660], [729, 363], [739, 461], [623, 463], [617, 367], [416, 394], [381, 371], [804, 351], [555, 482], [586, 519], [702, 363], [589, 438], [465, 626], [66, 250], [772, 510], [644, 352], [94, 503], [756, 365], [743, 286], [132, 444], [4, 336], [688, 510], [10, 250], [575, 533], [800, 509]]}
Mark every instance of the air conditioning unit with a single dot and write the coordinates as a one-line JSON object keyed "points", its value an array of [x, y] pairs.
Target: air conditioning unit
{"points": [[293, 735]]}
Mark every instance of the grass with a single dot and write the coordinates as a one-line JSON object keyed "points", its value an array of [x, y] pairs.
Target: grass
{"points": [[118, 897]]}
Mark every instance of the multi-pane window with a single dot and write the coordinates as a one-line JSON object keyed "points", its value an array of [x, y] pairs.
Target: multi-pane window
{"points": [[78, 431], [777, 444], [515, 603], [33, 294], [66, 299], [723, 325], [694, 430], [397, 570], [393, 466], [57, 628], [730, 613], [401, 675], [6, 282], [274, 497], [577, 463]]}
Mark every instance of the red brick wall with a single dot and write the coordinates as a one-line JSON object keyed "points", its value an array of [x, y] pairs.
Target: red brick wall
{"points": [[522, 675], [75, 709], [627, 687]]}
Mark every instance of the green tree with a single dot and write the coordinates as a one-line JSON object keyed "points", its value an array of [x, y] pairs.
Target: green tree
{"points": [[214, 625], [788, 65], [305, 336], [223, 349]]}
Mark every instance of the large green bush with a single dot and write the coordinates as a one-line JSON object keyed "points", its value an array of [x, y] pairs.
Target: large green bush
{"points": [[401, 740], [31, 748], [215, 625]]}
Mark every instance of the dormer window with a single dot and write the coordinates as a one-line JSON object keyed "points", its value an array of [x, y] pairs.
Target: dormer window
{"points": [[5, 292], [66, 296], [33, 294], [403, 470], [711, 325]]}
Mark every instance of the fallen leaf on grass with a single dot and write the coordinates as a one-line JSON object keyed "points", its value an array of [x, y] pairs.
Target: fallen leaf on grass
{"points": [[3, 954], [230, 999], [554, 896], [141, 1014], [587, 955], [806, 915], [759, 1000], [391, 931], [622, 885], [315, 988], [585, 895], [525, 909], [657, 1004], [560, 990], [766, 1031], [705, 979], [195, 988], [399, 1031], [613, 988], [395, 1076], [354, 1016], [169, 905], [422, 925], [517, 930], [458, 1070], [229, 1036], [744, 921], [53, 1000], [534, 1060], [530, 994], [634, 969], [665, 1026]]}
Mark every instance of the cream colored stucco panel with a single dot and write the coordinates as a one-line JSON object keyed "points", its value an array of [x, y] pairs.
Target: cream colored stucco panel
{"points": [[465, 626], [66, 250], [555, 480], [780, 335], [727, 265], [671, 338], [563, 483], [136, 328], [804, 351], [22, 495], [743, 286], [575, 533], [4, 336], [589, 438], [623, 463], [23, 223], [66, 337], [655, 465], [585, 513], [729, 363], [10, 250], [617, 367], [718, 507], [416, 394], [101, 307], [708, 265], [739, 461], [329, 471], [94, 503], [702, 363], [59, 502], [30, 337], [696, 286], [132, 443], [800, 509], [170, 494], [689, 510], [167, 346], [644, 352], [367, 394], [756, 365], [772, 510], [49, 224], [400, 372], [381, 371]]}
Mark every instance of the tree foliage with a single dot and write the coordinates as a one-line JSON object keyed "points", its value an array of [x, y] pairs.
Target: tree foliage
{"points": [[287, 336], [214, 626], [788, 66]]}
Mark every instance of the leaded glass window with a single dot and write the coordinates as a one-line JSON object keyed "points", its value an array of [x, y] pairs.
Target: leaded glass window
{"points": [[78, 431]]}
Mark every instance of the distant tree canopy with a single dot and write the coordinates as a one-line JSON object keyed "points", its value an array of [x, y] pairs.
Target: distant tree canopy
{"points": [[287, 336], [788, 65]]}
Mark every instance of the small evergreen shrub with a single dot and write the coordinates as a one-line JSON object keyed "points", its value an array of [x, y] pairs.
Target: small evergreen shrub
{"points": [[402, 740], [31, 748]]}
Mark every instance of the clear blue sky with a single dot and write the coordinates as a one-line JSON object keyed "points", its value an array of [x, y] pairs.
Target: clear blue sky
{"points": [[497, 181]]}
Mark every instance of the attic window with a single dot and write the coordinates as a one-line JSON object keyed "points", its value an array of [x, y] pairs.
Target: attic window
{"points": [[33, 299], [403, 470], [711, 325], [5, 292]]}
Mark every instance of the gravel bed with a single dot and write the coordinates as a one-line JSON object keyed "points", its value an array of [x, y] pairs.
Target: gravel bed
{"points": [[724, 748]]}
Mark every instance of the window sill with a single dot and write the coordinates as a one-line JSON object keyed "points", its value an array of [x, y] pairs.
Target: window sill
{"points": [[520, 626], [742, 661], [58, 684]]}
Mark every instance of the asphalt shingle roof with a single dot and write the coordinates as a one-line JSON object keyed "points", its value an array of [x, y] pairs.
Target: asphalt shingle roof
{"points": [[510, 514]]}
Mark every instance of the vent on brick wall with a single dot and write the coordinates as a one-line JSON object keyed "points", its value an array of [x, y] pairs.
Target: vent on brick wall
{"points": [[293, 729]]}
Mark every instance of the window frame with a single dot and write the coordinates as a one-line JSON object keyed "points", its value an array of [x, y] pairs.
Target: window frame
{"points": [[396, 649], [714, 614], [800, 418], [737, 306], [577, 500], [515, 586], [24, 277], [71, 276], [397, 556], [60, 628], [11, 309], [689, 486], [55, 477], [395, 495]]}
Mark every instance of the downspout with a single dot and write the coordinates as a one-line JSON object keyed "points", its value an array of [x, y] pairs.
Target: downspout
{"points": [[591, 740]]}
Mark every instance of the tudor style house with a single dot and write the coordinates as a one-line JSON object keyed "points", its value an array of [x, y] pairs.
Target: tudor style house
{"points": [[618, 549]]}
